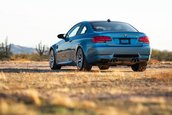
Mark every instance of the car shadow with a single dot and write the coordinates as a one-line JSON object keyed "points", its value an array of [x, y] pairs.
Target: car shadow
{"points": [[16, 70], [33, 70]]}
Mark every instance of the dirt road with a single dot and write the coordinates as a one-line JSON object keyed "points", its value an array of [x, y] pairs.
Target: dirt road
{"points": [[33, 86]]}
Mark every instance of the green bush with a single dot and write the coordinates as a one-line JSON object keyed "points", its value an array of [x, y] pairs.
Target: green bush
{"points": [[162, 55], [31, 57]]}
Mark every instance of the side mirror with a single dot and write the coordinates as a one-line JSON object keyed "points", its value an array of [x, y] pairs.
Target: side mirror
{"points": [[61, 36]]}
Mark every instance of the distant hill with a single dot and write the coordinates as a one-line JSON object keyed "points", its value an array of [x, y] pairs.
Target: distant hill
{"points": [[17, 49]]}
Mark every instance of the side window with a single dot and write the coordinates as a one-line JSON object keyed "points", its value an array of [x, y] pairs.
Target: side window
{"points": [[73, 32], [84, 30]]}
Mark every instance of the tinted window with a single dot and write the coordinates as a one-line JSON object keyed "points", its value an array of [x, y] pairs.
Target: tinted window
{"points": [[73, 32], [112, 26]]}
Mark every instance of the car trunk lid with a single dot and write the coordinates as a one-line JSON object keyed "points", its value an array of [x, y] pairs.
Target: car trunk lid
{"points": [[124, 39]]}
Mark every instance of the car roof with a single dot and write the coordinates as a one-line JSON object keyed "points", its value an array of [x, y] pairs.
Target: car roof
{"points": [[101, 21], [106, 21]]}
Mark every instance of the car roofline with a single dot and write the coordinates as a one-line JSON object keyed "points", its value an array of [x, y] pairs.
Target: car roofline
{"points": [[101, 21]]}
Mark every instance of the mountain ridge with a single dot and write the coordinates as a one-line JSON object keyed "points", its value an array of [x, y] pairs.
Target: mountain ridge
{"points": [[18, 49]]}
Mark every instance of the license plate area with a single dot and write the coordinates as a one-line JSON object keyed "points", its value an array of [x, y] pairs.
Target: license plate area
{"points": [[124, 41]]}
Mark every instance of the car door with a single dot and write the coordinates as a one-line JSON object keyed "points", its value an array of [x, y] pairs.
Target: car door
{"points": [[75, 41], [70, 36]]}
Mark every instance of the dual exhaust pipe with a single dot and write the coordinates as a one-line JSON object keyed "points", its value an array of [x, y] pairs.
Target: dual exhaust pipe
{"points": [[115, 60], [134, 60]]}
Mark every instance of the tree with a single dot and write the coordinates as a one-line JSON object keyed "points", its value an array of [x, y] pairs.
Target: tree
{"points": [[41, 49], [5, 50]]}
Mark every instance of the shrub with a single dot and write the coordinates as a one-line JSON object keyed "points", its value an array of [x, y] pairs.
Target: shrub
{"points": [[30, 57], [162, 55]]}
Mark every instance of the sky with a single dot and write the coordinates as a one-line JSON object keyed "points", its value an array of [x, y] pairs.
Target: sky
{"points": [[28, 22]]}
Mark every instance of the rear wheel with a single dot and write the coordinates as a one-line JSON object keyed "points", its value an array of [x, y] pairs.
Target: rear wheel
{"points": [[52, 61], [103, 67], [139, 67], [81, 61]]}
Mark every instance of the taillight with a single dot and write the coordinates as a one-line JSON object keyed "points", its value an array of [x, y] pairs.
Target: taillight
{"points": [[144, 39], [101, 39]]}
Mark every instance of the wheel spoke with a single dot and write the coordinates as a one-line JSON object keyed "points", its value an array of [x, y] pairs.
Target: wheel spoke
{"points": [[79, 60], [51, 59]]}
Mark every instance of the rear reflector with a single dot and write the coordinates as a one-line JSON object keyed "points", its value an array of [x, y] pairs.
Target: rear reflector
{"points": [[101, 39], [144, 39]]}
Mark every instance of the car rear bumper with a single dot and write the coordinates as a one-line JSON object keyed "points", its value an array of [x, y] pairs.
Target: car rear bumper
{"points": [[118, 55]]}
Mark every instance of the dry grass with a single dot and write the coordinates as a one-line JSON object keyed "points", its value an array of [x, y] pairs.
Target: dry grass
{"points": [[118, 91]]}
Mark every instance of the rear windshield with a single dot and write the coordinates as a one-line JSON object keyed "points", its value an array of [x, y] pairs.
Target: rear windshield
{"points": [[113, 26]]}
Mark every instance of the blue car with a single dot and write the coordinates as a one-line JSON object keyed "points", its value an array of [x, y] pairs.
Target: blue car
{"points": [[103, 44]]}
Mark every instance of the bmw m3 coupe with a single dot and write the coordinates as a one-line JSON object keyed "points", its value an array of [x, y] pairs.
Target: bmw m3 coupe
{"points": [[103, 44]]}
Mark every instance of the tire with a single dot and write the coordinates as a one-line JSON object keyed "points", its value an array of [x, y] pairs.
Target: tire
{"points": [[81, 61], [52, 61], [139, 67], [103, 67]]}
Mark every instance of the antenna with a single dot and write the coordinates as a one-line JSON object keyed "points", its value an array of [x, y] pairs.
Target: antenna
{"points": [[108, 20]]}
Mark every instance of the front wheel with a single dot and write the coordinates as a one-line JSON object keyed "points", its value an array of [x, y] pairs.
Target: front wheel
{"points": [[81, 61], [139, 67], [52, 61]]}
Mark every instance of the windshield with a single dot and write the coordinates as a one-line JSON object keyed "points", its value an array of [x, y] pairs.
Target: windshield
{"points": [[112, 26]]}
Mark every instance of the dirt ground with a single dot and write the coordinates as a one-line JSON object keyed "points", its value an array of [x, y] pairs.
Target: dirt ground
{"points": [[32, 88]]}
